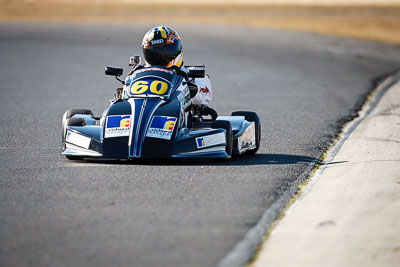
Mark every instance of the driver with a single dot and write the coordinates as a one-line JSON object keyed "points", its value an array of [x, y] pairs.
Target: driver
{"points": [[162, 47]]}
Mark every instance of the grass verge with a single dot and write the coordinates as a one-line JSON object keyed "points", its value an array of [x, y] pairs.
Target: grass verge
{"points": [[376, 23]]}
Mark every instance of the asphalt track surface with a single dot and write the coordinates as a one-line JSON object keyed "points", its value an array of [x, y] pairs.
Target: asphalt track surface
{"points": [[55, 212]]}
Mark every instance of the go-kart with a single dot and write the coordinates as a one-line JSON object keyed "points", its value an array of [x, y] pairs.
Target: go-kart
{"points": [[152, 117]]}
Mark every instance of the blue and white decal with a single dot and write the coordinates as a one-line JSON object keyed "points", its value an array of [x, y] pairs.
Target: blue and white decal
{"points": [[77, 139], [117, 126], [142, 111], [161, 127], [247, 140], [210, 140]]}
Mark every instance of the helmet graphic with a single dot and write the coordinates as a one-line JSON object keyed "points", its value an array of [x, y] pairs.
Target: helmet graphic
{"points": [[162, 47]]}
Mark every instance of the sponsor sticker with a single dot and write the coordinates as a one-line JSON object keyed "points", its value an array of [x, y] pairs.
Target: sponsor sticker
{"points": [[158, 41], [182, 98], [77, 139], [205, 90], [247, 138], [153, 69], [161, 127], [117, 126], [210, 140]]}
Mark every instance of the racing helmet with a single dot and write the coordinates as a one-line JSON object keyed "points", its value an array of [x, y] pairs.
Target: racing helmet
{"points": [[162, 47]]}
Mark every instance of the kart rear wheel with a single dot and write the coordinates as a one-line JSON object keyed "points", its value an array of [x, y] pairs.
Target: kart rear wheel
{"points": [[252, 116], [229, 134]]}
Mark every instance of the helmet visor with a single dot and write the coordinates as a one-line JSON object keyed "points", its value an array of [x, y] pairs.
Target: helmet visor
{"points": [[162, 54]]}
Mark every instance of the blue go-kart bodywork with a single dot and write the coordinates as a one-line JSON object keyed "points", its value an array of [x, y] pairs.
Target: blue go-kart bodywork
{"points": [[153, 118]]}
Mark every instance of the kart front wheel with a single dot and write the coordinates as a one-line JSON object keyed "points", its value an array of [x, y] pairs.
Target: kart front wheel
{"points": [[71, 112], [229, 134], [68, 115], [71, 122]]}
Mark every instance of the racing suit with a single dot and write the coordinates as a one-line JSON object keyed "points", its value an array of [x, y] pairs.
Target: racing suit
{"points": [[204, 92], [203, 97]]}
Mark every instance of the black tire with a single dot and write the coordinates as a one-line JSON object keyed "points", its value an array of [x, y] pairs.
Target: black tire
{"points": [[74, 157], [229, 134], [71, 122], [75, 122], [252, 116], [71, 112]]}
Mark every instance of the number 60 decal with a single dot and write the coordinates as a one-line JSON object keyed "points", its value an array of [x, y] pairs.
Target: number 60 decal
{"points": [[156, 87]]}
